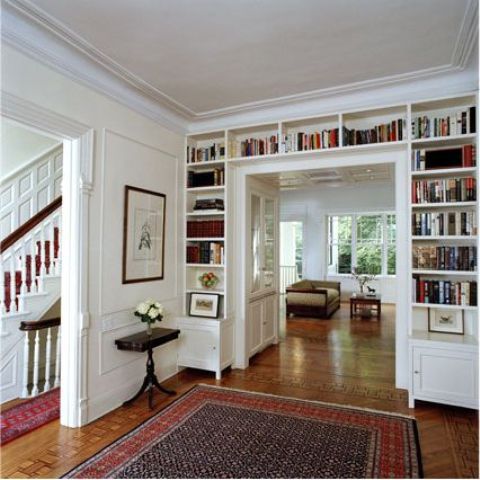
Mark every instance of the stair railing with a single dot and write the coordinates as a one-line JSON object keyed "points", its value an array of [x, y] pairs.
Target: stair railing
{"points": [[29, 255], [31, 363]]}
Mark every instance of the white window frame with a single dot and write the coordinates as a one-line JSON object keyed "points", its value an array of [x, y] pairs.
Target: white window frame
{"points": [[353, 240]]}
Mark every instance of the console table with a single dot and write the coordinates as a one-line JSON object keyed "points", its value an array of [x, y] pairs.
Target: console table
{"points": [[361, 301], [141, 342]]}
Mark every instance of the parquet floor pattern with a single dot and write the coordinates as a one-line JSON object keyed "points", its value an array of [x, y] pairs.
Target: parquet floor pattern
{"points": [[337, 360]]}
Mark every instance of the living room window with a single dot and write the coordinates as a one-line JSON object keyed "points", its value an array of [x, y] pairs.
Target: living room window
{"points": [[364, 241]]}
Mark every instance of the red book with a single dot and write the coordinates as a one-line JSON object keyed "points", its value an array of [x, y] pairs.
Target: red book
{"points": [[421, 298]]}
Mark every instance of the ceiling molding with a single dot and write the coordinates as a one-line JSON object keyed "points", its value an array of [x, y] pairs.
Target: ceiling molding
{"points": [[27, 34], [42, 37], [467, 36]]}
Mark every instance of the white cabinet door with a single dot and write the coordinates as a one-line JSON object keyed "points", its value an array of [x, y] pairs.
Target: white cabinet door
{"points": [[446, 376], [269, 319], [255, 319], [198, 348]]}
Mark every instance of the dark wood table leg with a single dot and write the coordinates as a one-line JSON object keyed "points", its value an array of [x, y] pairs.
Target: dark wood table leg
{"points": [[351, 309], [149, 382]]}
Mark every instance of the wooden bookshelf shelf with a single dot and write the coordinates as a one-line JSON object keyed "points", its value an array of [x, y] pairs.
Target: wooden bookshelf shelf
{"points": [[444, 205], [205, 239], [213, 188], [446, 307], [445, 272], [444, 172], [446, 140], [205, 265], [444, 237], [206, 213]]}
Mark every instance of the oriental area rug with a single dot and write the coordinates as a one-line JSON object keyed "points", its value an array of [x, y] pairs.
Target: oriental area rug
{"points": [[29, 415], [213, 432]]}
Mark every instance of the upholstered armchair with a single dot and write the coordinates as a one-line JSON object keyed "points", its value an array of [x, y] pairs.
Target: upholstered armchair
{"points": [[313, 298]]}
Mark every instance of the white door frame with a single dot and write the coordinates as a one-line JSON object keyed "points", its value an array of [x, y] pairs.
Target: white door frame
{"points": [[396, 154], [76, 190]]}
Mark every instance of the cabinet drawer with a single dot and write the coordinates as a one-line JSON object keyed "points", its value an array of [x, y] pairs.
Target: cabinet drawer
{"points": [[445, 375]]}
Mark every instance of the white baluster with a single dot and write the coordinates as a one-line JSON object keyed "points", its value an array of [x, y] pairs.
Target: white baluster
{"points": [[57, 358], [3, 307], [13, 286], [36, 363], [43, 269], [48, 358], [58, 260], [26, 354], [51, 250], [33, 266]]}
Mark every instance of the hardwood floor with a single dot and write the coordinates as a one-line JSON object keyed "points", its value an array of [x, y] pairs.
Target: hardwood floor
{"points": [[336, 360]]}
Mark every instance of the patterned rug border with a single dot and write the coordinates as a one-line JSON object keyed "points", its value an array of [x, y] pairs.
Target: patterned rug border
{"points": [[318, 402], [248, 392]]}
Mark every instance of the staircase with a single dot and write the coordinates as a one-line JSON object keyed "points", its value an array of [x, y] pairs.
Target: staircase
{"points": [[30, 273]]}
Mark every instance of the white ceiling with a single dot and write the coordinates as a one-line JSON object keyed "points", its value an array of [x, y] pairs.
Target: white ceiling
{"points": [[208, 55], [331, 177]]}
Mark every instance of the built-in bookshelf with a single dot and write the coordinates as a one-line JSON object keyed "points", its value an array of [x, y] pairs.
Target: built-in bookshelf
{"points": [[443, 210], [439, 140]]}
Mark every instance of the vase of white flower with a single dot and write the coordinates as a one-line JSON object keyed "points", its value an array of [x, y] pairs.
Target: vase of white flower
{"points": [[149, 312], [362, 279]]}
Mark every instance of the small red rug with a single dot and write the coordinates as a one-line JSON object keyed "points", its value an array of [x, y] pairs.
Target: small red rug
{"points": [[29, 415], [213, 432]]}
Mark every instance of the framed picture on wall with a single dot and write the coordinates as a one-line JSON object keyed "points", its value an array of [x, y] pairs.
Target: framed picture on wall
{"points": [[143, 235], [204, 305], [445, 321]]}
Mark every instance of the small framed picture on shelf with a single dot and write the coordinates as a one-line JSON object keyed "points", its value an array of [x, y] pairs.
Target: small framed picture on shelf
{"points": [[445, 321], [204, 305]]}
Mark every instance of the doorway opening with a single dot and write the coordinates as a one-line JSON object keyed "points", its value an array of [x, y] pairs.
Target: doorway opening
{"points": [[337, 239]]}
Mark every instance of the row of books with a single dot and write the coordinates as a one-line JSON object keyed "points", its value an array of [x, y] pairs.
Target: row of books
{"points": [[444, 223], [206, 154], [457, 123], [444, 292], [444, 258], [211, 178], [205, 228], [444, 190], [386, 132], [208, 253], [254, 146], [300, 141], [456, 157]]}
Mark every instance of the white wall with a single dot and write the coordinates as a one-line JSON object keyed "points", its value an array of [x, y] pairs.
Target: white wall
{"points": [[19, 146], [129, 149], [312, 205]]}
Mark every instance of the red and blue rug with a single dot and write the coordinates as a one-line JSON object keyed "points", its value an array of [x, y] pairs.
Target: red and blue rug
{"points": [[213, 432], [29, 415]]}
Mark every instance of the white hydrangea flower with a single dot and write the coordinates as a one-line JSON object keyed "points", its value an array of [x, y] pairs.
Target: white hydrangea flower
{"points": [[153, 313], [142, 308]]}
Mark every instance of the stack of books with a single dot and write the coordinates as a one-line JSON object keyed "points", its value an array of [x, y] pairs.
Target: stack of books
{"points": [[255, 146], [444, 223], [444, 190], [457, 123], [444, 292], [207, 228], [205, 204], [206, 154], [387, 132], [207, 253], [444, 258], [456, 157]]}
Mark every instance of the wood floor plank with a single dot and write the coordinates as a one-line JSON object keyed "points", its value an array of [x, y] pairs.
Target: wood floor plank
{"points": [[337, 360]]}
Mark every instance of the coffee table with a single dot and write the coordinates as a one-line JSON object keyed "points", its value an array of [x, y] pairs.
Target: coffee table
{"points": [[362, 301]]}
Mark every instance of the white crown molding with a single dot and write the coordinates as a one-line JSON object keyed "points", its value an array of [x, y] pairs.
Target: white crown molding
{"points": [[42, 37], [25, 31], [467, 36]]}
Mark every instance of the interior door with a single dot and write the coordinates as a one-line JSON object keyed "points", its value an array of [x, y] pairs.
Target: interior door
{"points": [[262, 262]]}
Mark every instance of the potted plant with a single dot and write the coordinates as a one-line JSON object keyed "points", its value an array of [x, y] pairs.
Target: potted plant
{"points": [[149, 312]]}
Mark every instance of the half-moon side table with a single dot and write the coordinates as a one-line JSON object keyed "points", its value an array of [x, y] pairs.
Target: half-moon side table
{"points": [[141, 342]]}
